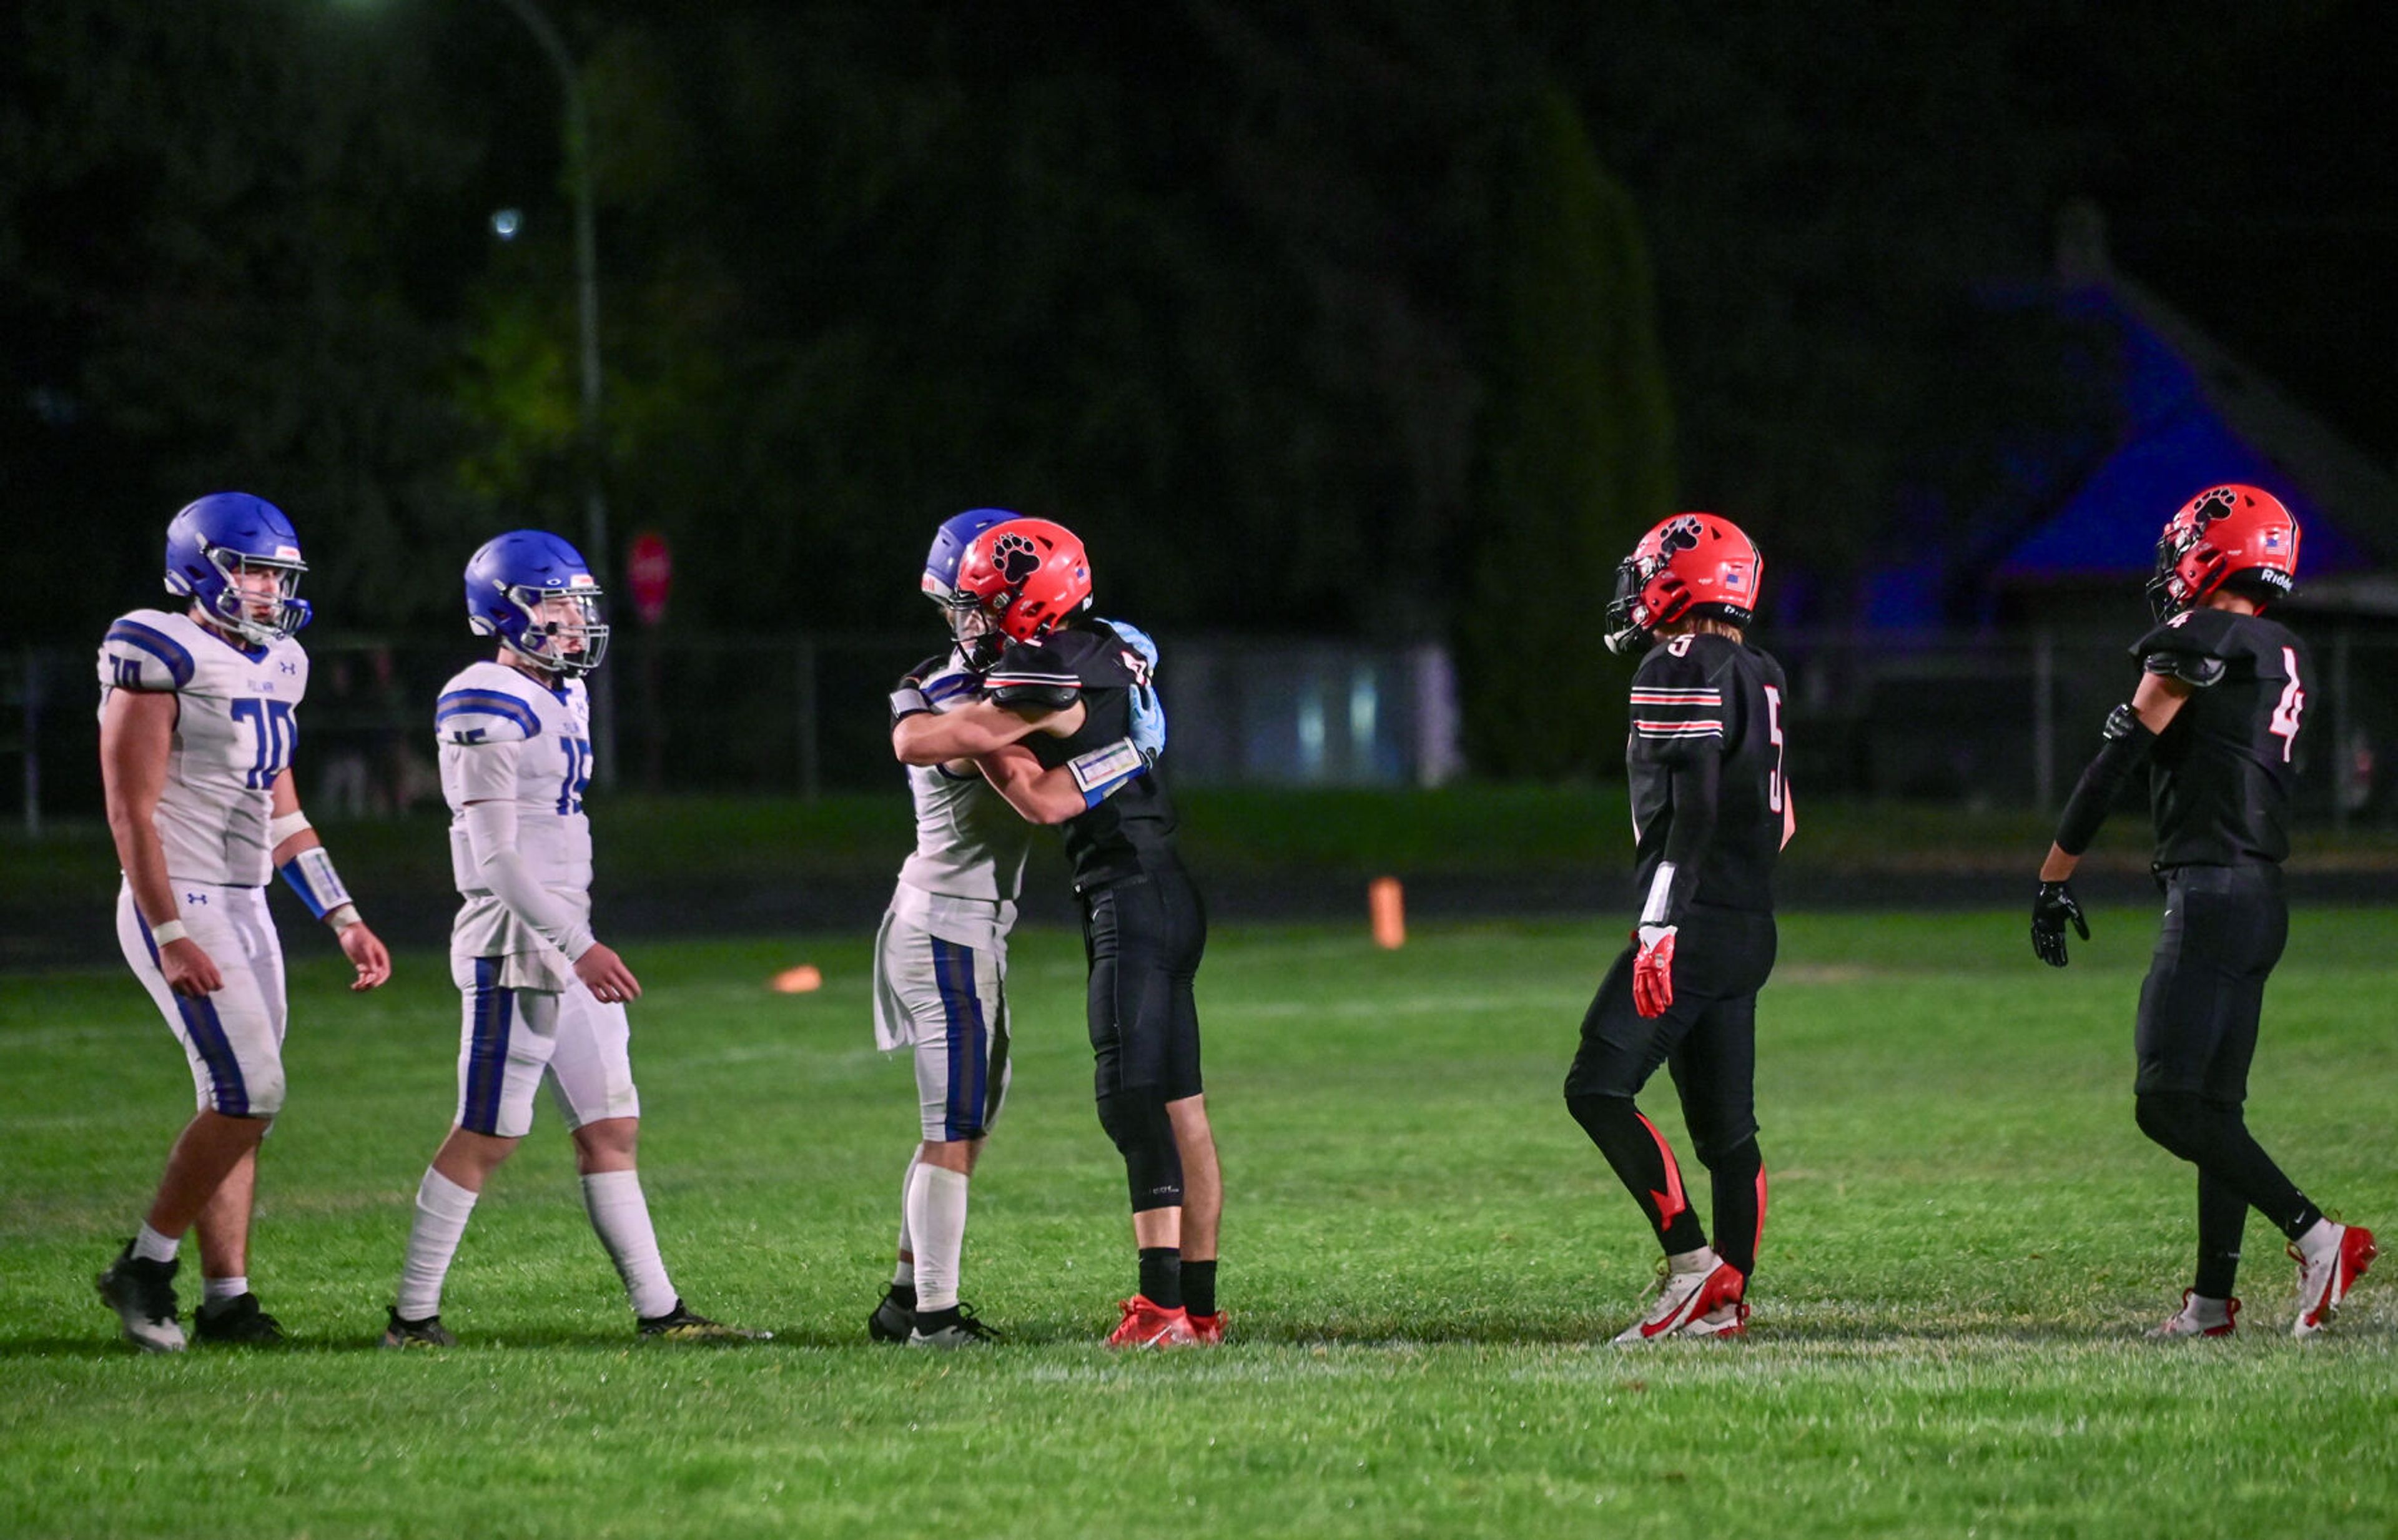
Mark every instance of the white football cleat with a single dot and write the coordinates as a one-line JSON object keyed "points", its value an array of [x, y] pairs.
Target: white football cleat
{"points": [[2190, 1322], [1683, 1298], [2326, 1277]]}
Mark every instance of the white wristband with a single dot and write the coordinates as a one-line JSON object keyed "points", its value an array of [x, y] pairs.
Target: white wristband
{"points": [[282, 829], [171, 931], [343, 918]]}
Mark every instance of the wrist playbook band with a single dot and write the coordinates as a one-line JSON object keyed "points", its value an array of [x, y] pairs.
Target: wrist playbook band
{"points": [[1103, 772], [312, 876], [170, 930]]}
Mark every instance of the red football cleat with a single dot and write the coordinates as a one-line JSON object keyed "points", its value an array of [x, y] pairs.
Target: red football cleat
{"points": [[2188, 1322], [2325, 1282], [1207, 1331], [1148, 1325], [1685, 1297]]}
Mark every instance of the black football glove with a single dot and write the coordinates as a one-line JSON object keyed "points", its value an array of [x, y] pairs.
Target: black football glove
{"points": [[2050, 910]]}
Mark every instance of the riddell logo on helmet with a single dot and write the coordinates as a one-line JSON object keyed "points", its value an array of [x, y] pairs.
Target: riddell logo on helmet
{"points": [[1016, 557]]}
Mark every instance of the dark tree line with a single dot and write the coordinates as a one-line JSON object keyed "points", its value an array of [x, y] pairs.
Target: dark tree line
{"points": [[1395, 318]]}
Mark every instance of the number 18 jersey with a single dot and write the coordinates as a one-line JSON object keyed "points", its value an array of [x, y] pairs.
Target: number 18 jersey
{"points": [[506, 736], [1705, 693], [236, 728]]}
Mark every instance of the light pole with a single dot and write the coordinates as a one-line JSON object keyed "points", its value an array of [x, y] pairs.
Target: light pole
{"points": [[586, 297]]}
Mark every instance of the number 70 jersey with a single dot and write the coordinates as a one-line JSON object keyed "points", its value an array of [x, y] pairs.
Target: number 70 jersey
{"points": [[237, 726]]}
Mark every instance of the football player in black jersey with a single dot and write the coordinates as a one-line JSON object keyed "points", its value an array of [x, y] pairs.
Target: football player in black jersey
{"points": [[1711, 810], [1055, 731], [2215, 719]]}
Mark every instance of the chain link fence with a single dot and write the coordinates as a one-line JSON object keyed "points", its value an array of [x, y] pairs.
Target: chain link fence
{"points": [[1984, 722]]}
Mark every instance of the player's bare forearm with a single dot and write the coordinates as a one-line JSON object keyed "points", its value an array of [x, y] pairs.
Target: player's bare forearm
{"points": [[1038, 795], [972, 730], [136, 735], [2059, 867]]}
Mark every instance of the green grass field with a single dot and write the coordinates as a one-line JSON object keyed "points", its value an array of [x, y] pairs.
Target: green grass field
{"points": [[1423, 1258]]}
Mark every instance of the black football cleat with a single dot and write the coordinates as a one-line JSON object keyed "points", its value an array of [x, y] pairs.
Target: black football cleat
{"points": [[429, 1332], [237, 1322], [142, 1294], [682, 1324], [892, 1320], [956, 1327]]}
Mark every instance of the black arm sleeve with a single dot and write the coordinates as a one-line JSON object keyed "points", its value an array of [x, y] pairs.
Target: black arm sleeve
{"points": [[1696, 782], [2126, 747]]}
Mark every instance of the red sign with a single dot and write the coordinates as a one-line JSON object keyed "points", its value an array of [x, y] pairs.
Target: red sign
{"points": [[649, 572]]}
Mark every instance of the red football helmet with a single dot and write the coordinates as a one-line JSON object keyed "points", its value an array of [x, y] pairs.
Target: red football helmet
{"points": [[1693, 564], [2225, 531], [1027, 574]]}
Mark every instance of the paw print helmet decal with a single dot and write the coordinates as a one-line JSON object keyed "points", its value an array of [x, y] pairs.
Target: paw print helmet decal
{"points": [[1693, 563], [1027, 574]]}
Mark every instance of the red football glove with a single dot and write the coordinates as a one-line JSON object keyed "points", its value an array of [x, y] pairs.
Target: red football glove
{"points": [[1652, 970]]}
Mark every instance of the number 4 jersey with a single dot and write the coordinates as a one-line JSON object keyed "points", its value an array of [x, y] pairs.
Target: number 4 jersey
{"points": [[1705, 693], [236, 728], [506, 736], [2220, 778]]}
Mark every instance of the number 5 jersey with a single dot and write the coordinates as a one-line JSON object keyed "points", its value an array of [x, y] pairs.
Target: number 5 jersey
{"points": [[236, 728]]}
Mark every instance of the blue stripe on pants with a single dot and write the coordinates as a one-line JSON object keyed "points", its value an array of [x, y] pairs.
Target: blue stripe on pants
{"points": [[230, 1092], [953, 972], [487, 1053]]}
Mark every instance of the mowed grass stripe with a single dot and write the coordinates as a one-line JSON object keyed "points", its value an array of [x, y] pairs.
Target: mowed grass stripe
{"points": [[1966, 1235]]}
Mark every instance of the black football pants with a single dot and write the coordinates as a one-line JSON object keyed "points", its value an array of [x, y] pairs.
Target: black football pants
{"points": [[2224, 930], [1707, 1041]]}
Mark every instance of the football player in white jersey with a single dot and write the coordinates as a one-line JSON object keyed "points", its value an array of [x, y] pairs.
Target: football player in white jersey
{"points": [[545, 999], [198, 727], [940, 989]]}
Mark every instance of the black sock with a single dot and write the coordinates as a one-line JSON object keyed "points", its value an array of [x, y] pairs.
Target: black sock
{"points": [[1160, 1275], [2214, 1137], [1641, 1160], [1737, 1180], [1199, 1287], [2222, 1216], [905, 1294], [930, 1321]]}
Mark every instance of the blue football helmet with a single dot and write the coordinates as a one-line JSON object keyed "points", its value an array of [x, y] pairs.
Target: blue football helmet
{"points": [[537, 594], [226, 534], [968, 624]]}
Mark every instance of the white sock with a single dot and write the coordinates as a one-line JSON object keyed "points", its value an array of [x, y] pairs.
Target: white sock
{"points": [[905, 1275], [442, 1208], [937, 1213], [2320, 1237], [1701, 1261], [213, 1289], [2207, 1312], [621, 1216], [150, 1246]]}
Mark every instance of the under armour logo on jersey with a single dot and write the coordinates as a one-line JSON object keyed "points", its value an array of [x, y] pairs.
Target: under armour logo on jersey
{"points": [[289, 666], [195, 897], [1016, 557]]}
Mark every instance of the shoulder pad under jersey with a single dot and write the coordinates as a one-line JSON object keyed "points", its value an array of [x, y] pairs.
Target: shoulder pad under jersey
{"points": [[1674, 697], [142, 652], [1037, 673], [2194, 646], [475, 707]]}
